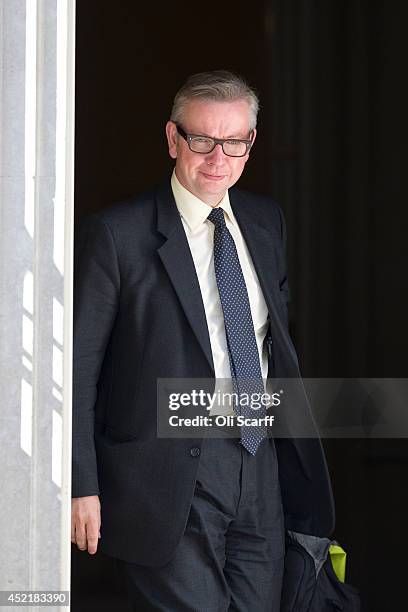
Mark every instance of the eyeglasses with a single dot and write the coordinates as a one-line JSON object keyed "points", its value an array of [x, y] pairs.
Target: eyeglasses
{"points": [[204, 144]]}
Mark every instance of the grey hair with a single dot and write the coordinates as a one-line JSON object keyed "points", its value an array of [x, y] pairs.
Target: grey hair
{"points": [[216, 86]]}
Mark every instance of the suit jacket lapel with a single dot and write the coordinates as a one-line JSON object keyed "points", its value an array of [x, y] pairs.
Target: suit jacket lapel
{"points": [[177, 259], [260, 241]]}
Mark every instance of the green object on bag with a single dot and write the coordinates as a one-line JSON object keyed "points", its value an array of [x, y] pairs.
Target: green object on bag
{"points": [[338, 559]]}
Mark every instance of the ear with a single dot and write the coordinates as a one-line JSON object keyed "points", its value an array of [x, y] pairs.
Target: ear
{"points": [[171, 133], [253, 137]]}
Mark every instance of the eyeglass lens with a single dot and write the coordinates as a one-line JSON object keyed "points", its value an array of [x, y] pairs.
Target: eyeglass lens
{"points": [[234, 148]]}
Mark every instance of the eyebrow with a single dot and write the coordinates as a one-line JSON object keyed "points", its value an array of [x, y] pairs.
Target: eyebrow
{"points": [[226, 138]]}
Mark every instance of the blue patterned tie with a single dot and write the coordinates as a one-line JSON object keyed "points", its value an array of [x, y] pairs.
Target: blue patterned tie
{"points": [[243, 353]]}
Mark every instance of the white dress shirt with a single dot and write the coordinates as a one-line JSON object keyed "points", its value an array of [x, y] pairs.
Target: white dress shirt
{"points": [[200, 235]]}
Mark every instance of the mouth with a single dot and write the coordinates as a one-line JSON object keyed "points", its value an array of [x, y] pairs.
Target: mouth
{"points": [[213, 177]]}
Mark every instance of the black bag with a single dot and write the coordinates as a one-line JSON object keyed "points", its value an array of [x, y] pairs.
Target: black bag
{"points": [[310, 583]]}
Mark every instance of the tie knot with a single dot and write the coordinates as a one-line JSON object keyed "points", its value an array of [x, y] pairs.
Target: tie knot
{"points": [[216, 216]]}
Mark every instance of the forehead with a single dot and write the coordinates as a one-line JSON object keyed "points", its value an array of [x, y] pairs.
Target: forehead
{"points": [[219, 119]]}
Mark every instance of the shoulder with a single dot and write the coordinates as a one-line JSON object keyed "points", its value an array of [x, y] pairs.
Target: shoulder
{"points": [[263, 207], [125, 219], [132, 210], [126, 226]]}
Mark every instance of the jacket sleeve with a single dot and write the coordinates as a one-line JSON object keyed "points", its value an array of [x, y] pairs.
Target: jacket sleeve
{"points": [[96, 298]]}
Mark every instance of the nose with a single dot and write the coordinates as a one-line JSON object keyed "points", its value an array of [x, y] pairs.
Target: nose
{"points": [[217, 155]]}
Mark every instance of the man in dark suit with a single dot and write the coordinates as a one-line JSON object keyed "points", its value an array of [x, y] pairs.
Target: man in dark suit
{"points": [[189, 282]]}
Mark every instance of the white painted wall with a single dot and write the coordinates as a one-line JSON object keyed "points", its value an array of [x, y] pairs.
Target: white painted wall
{"points": [[36, 237]]}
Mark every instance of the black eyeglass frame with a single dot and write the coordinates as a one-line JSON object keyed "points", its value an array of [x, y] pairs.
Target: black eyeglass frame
{"points": [[188, 138]]}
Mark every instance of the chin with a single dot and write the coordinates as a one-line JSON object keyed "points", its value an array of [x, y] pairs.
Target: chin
{"points": [[214, 187]]}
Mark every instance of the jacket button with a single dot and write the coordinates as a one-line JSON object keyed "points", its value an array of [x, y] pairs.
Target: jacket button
{"points": [[195, 451]]}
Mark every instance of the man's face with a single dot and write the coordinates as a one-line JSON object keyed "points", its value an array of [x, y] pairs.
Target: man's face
{"points": [[209, 175]]}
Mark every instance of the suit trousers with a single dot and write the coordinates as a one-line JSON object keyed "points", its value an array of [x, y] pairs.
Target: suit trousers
{"points": [[231, 554]]}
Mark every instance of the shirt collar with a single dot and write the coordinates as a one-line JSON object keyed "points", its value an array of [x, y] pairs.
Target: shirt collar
{"points": [[193, 210]]}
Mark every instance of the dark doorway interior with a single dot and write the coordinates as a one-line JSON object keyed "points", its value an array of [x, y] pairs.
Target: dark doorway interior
{"points": [[331, 150]]}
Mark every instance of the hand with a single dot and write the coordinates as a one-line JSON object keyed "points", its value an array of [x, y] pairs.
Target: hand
{"points": [[86, 522]]}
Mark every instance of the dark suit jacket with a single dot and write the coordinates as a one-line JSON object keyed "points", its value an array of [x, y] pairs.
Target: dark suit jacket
{"points": [[139, 316]]}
